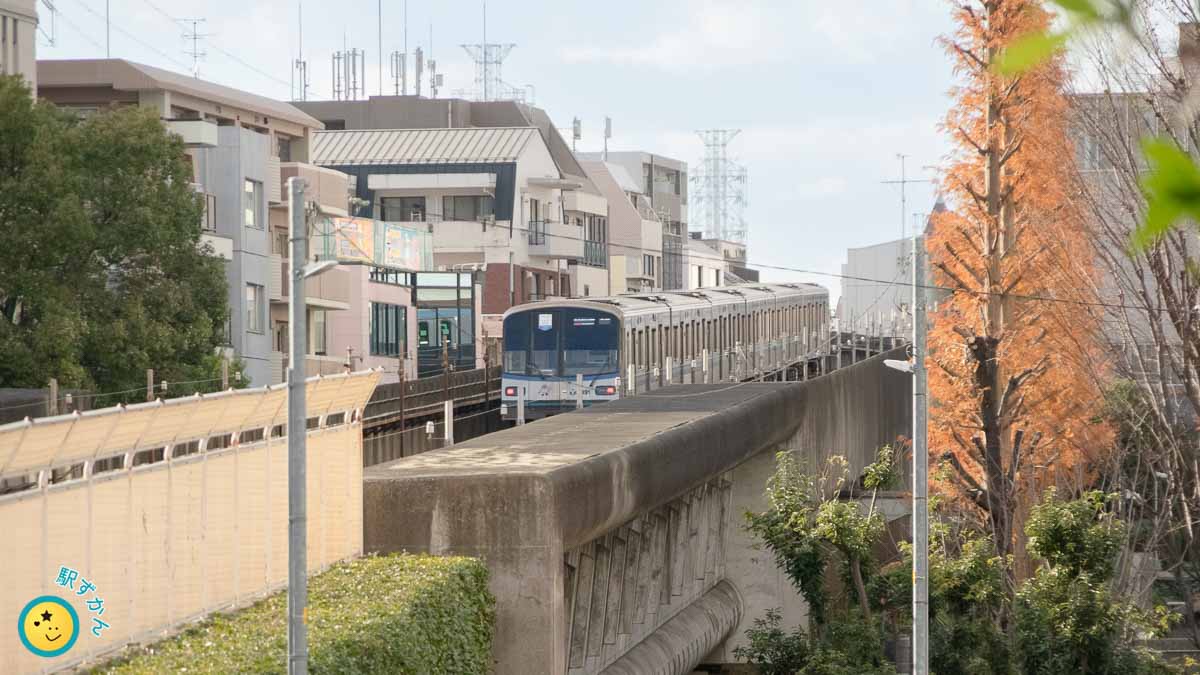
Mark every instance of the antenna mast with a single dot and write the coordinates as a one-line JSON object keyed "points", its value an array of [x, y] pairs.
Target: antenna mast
{"points": [[195, 36]]}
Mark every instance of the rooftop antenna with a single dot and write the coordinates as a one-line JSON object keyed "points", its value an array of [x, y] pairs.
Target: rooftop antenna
{"points": [[399, 64], [379, 17], [405, 80], [195, 36], [300, 66], [489, 62], [576, 132], [903, 183], [607, 134]]}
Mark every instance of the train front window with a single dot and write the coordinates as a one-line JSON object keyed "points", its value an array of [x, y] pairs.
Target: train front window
{"points": [[531, 343], [589, 342]]}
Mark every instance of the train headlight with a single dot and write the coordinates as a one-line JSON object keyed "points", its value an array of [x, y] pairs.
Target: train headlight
{"points": [[510, 391]]}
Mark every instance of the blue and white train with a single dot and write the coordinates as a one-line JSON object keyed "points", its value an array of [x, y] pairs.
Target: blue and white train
{"points": [[547, 344]]}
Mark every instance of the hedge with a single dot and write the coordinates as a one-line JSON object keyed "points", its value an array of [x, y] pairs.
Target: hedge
{"points": [[378, 614]]}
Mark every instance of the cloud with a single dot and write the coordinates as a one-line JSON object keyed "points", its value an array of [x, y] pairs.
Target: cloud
{"points": [[715, 34]]}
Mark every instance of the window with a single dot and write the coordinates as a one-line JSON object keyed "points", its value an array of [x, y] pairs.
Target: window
{"points": [[648, 265], [388, 323], [467, 208], [283, 150], [254, 308], [319, 346], [279, 243], [586, 290], [381, 275], [403, 209], [251, 198]]}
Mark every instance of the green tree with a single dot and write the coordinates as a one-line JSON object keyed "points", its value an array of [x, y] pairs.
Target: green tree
{"points": [[101, 271], [1067, 618]]}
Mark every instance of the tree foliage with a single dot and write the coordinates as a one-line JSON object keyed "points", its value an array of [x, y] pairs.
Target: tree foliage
{"points": [[1013, 348], [1067, 617], [101, 274]]}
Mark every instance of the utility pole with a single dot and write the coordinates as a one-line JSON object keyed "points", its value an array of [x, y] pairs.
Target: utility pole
{"points": [[297, 435], [920, 518]]}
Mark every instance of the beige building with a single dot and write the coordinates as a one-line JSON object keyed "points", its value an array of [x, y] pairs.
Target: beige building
{"points": [[635, 232], [18, 39]]}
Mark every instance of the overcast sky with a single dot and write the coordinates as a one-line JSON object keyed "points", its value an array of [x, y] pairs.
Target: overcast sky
{"points": [[826, 92]]}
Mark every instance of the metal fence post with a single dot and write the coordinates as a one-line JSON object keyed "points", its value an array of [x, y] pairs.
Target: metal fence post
{"points": [[632, 380], [520, 405], [52, 403], [670, 366], [704, 360], [448, 418], [149, 384], [579, 391]]}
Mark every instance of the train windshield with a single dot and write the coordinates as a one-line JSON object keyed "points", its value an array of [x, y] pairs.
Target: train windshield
{"points": [[561, 342]]}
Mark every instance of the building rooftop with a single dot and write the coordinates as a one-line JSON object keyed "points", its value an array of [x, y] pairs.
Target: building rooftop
{"points": [[421, 146], [125, 75]]}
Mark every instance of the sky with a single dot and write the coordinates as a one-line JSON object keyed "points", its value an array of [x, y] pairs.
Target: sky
{"points": [[826, 92]]}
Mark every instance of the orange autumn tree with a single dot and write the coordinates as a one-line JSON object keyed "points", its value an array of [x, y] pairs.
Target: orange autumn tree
{"points": [[1013, 347]]}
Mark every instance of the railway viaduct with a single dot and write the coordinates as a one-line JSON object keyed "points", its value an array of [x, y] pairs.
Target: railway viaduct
{"points": [[614, 534]]}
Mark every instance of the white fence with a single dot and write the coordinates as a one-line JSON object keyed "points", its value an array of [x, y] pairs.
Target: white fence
{"points": [[172, 509]]}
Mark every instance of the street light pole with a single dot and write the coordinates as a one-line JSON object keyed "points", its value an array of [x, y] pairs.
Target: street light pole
{"points": [[297, 433], [920, 518]]}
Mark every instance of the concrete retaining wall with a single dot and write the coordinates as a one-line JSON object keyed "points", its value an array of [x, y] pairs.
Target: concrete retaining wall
{"points": [[524, 498]]}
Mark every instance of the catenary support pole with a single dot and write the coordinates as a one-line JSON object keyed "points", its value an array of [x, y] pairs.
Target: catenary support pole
{"points": [[920, 520], [297, 435]]}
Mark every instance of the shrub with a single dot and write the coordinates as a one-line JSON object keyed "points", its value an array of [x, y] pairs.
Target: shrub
{"points": [[378, 614]]}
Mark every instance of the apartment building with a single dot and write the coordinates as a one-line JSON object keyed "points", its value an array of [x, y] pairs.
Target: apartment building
{"points": [[663, 186], [551, 261], [18, 40], [635, 233], [242, 147]]}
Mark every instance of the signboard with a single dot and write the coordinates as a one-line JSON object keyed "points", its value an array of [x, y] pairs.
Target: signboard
{"points": [[406, 247], [545, 322], [373, 241], [354, 239]]}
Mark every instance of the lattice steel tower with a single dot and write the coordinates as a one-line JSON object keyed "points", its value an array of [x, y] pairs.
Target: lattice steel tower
{"points": [[720, 187]]}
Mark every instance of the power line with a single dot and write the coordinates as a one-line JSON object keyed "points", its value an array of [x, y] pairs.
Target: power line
{"points": [[133, 37], [217, 48], [798, 270]]}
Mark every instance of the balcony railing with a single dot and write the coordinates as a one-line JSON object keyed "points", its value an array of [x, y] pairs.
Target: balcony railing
{"points": [[594, 254], [537, 232]]}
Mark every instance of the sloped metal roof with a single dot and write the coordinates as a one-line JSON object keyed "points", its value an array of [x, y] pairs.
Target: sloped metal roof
{"points": [[421, 146]]}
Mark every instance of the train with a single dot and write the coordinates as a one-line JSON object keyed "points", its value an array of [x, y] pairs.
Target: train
{"points": [[550, 345]]}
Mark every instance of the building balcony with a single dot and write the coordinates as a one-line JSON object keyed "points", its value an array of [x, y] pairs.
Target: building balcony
{"points": [[555, 240], [195, 133], [328, 290], [314, 365], [222, 247], [595, 253]]}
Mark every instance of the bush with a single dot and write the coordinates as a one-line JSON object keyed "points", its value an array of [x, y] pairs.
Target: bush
{"points": [[378, 614]]}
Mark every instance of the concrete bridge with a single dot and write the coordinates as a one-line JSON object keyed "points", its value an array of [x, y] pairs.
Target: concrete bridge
{"points": [[614, 534]]}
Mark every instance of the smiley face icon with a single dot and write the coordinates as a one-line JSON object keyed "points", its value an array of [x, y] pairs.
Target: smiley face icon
{"points": [[48, 626]]}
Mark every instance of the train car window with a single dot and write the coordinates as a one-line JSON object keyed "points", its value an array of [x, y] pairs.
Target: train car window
{"points": [[590, 342]]}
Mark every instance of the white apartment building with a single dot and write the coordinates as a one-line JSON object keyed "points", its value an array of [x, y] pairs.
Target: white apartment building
{"points": [[493, 198], [18, 40]]}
